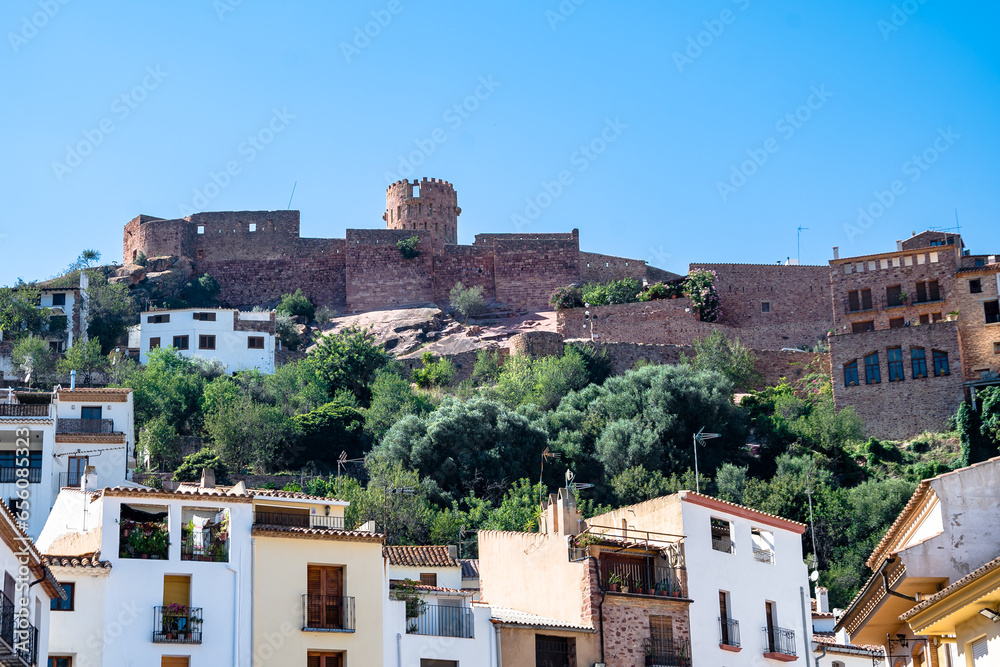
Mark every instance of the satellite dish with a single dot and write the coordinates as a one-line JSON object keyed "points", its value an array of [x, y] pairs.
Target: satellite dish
{"points": [[814, 576]]}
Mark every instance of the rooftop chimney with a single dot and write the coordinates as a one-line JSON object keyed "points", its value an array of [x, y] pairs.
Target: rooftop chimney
{"points": [[208, 478], [899, 245], [560, 515], [89, 480], [836, 252], [72, 380], [452, 551], [822, 600]]}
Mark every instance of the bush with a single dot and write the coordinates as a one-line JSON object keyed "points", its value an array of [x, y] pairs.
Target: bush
{"points": [[33, 357], [297, 305], [408, 247], [613, 292], [324, 314], [566, 297], [190, 468], [440, 373], [140, 259], [658, 291], [468, 301], [287, 333], [700, 288]]}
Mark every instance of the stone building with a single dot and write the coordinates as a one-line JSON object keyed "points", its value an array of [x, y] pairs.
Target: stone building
{"points": [[916, 331], [256, 256]]}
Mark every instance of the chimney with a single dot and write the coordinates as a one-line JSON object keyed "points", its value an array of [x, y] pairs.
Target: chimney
{"points": [[89, 480], [72, 380], [836, 252], [561, 517], [207, 478], [899, 245], [452, 551], [992, 259], [822, 600]]}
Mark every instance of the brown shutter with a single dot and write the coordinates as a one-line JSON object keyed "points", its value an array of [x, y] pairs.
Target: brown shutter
{"points": [[176, 590], [314, 660], [428, 579], [175, 661]]}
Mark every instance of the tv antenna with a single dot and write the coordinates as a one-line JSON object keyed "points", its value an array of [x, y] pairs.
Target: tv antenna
{"points": [[293, 194], [798, 244], [342, 462], [699, 439], [546, 454]]}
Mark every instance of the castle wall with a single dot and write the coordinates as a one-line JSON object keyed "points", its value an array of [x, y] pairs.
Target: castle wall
{"points": [[435, 210], [597, 268], [469, 265], [900, 409], [528, 272], [493, 239], [377, 274], [154, 238]]}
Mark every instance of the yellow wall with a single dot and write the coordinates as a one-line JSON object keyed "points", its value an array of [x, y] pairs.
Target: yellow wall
{"points": [[517, 646], [280, 566]]}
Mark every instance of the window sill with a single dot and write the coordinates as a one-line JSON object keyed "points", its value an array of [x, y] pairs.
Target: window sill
{"points": [[327, 630], [731, 648], [781, 657]]}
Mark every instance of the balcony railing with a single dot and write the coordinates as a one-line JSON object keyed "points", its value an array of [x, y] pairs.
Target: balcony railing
{"points": [[85, 426], [763, 555], [895, 300], [643, 579], [18, 639], [667, 653], [859, 306], [779, 640], [8, 475], [298, 520], [327, 613], [441, 621], [17, 410], [70, 479], [723, 544], [729, 632], [177, 624]]}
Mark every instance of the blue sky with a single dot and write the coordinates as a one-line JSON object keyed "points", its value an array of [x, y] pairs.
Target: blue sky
{"points": [[682, 131]]}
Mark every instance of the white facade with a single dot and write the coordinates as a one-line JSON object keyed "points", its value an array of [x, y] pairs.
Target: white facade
{"points": [[65, 431], [239, 340], [120, 618]]}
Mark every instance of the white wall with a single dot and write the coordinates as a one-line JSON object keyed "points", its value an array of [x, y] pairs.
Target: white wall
{"points": [[38, 599], [447, 577], [230, 346], [749, 582], [479, 651], [81, 633], [40, 495]]}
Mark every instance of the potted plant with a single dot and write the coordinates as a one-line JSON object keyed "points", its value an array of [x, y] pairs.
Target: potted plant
{"points": [[176, 621], [615, 582], [626, 585], [902, 297]]}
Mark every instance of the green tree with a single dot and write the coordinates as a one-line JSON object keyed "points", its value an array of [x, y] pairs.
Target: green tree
{"points": [[990, 420], [112, 310], [202, 292], [440, 373], [468, 301], [348, 360], [392, 399], [736, 361], [84, 358], [192, 465], [159, 442], [249, 434], [297, 305], [19, 311], [325, 432], [169, 385], [33, 357]]}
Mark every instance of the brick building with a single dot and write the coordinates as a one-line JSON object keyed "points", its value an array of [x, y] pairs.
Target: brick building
{"points": [[916, 331], [256, 256]]}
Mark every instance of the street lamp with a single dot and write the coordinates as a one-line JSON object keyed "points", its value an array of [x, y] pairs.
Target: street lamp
{"points": [[699, 439], [588, 320]]}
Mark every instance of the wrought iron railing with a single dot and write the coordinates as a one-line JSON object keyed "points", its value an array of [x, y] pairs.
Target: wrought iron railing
{"points": [[779, 640], [327, 612], [19, 637], [643, 578], [441, 621], [18, 410], [859, 306], [729, 632], [9, 475], [88, 426], [667, 652], [298, 520], [723, 544], [70, 479], [763, 555], [177, 624]]}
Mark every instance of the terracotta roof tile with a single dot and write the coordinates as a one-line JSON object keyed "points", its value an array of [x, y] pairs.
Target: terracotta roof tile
{"points": [[319, 533], [183, 492], [433, 589], [409, 556], [91, 561], [470, 568]]}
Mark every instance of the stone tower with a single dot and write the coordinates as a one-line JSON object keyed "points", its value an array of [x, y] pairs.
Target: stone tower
{"points": [[429, 204]]}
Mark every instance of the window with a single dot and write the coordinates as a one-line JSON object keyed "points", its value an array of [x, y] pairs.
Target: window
{"points": [[996, 348], [181, 342], [60, 661], [201, 229], [204, 317], [54, 346], [918, 362], [897, 322], [661, 637], [90, 412], [416, 190], [940, 363], [894, 358], [206, 342], [980, 262], [975, 286], [428, 579], [255, 343], [991, 309], [8, 471], [200, 254], [158, 319], [175, 661], [76, 466], [836, 663], [763, 545], [722, 536], [154, 343], [728, 628], [58, 299], [851, 374], [555, 651], [67, 604], [873, 375], [861, 327], [859, 300], [928, 291], [925, 319], [894, 296], [765, 306], [253, 226], [980, 652], [325, 601], [430, 662]]}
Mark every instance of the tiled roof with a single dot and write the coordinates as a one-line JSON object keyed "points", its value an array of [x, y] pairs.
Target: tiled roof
{"points": [[505, 616], [319, 533], [961, 583], [420, 556], [184, 492], [692, 494], [470, 568], [278, 493], [434, 589], [91, 561], [829, 640]]}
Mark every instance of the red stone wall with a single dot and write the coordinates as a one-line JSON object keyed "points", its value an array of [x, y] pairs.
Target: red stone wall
{"points": [[377, 274], [469, 265], [626, 626], [598, 268], [899, 410], [528, 272], [980, 341], [493, 239]]}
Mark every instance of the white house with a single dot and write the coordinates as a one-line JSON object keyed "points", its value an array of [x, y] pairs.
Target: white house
{"points": [[443, 626], [239, 340], [63, 431], [159, 578], [29, 589]]}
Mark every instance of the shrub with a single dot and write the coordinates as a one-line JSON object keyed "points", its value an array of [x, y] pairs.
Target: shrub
{"points": [[324, 314], [140, 259], [297, 305], [566, 297], [468, 301], [700, 288], [658, 291], [286, 331], [440, 373], [408, 247], [190, 468], [613, 292]]}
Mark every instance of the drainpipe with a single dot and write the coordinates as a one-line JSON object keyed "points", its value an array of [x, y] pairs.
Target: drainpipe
{"points": [[72, 380], [236, 616], [496, 629], [600, 606], [253, 591], [885, 581], [399, 649], [806, 629], [823, 655]]}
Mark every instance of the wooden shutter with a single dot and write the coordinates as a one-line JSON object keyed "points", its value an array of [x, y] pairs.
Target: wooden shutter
{"points": [[175, 661], [325, 660], [325, 596], [661, 630], [176, 590], [428, 579]]}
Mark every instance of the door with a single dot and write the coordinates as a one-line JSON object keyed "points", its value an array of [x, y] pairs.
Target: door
{"points": [[552, 652], [325, 660], [75, 468], [769, 610], [325, 599], [724, 617]]}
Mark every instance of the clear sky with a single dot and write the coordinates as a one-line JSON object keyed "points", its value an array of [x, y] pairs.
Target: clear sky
{"points": [[682, 131]]}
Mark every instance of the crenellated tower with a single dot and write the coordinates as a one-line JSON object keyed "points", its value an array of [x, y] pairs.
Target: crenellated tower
{"points": [[430, 204]]}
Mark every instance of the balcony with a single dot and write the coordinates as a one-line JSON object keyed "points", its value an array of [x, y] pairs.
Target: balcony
{"points": [[779, 644], [667, 653], [18, 410], [895, 300], [298, 520], [18, 645], [859, 305], [143, 539], [70, 479], [723, 544], [85, 426], [327, 613], [637, 578], [440, 621], [177, 624], [763, 555], [8, 475], [729, 634]]}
